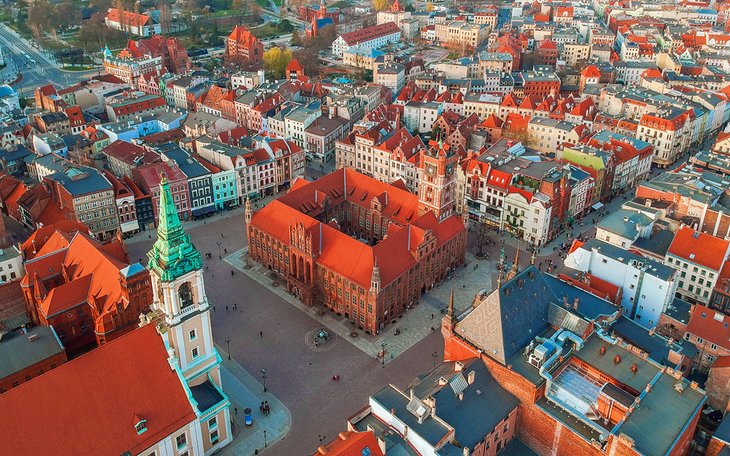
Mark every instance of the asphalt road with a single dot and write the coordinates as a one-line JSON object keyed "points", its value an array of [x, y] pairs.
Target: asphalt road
{"points": [[38, 69], [297, 375]]}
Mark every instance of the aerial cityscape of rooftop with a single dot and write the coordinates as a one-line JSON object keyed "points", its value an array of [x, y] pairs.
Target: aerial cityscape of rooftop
{"points": [[365, 228]]}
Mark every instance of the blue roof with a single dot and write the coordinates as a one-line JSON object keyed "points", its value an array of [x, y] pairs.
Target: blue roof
{"points": [[6, 90], [132, 269]]}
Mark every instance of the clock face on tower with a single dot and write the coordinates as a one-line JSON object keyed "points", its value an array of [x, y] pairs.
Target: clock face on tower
{"points": [[430, 169]]}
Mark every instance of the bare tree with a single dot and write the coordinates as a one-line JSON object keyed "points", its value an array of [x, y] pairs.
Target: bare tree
{"points": [[481, 236]]}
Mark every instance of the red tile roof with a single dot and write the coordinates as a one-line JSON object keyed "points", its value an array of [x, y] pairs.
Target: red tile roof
{"points": [[699, 248], [370, 33], [88, 405], [710, 325]]}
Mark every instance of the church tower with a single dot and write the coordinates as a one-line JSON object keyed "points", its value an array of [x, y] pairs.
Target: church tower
{"points": [[437, 180], [179, 299]]}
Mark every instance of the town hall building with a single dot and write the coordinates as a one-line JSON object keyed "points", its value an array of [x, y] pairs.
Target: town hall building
{"points": [[361, 247]]}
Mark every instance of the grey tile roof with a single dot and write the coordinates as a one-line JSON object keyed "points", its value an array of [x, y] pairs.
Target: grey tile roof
{"points": [[655, 345], [511, 316], [624, 222], [17, 351]]}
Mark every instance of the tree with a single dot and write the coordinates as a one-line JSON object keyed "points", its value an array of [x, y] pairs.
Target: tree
{"points": [[296, 38], [276, 60], [380, 5], [481, 236], [165, 17], [285, 26], [429, 7]]}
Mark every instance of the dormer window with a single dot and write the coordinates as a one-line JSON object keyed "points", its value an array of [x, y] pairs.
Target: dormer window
{"points": [[140, 424]]}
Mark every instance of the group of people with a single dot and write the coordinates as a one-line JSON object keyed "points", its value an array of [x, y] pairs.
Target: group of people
{"points": [[264, 407]]}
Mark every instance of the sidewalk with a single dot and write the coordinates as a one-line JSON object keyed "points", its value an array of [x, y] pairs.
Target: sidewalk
{"points": [[243, 390], [414, 325]]}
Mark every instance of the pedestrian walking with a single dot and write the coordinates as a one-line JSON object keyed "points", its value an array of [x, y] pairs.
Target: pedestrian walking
{"points": [[214, 309], [261, 333], [226, 308], [431, 316], [225, 250], [231, 271]]}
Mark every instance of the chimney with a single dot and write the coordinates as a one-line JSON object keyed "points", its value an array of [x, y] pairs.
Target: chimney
{"points": [[565, 301], [461, 396], [32, 337], [322, 450], [576, 301], [442, 381], [603, 349], [634, 368], [458, 366], [470, 377], [343, 435]]}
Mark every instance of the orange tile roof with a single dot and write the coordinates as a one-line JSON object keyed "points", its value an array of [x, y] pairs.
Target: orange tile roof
{"points": [[129, 18], [699, 248], [395, 253], [710, 325], [87, 406], [351, 443]]}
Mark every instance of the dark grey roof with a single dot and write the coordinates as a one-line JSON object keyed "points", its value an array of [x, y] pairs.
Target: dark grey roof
{"points": [[186, 162], [510, 317], [591, 354], [516, 448], [655, 345], [484, 405], [590, 306], [662, 415], [723, 430], [18, 352], [16, 153], [622, 396], [657, 244], [81, 180], [679, 310], [430, 430], [206, 395]]}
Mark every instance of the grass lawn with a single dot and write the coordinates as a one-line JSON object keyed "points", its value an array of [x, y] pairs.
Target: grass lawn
{"points": [[78, 68]]}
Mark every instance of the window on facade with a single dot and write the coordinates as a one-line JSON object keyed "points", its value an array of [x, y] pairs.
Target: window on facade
{"points": [[213, 423], [214, 437], [195, 352], [193, 334], [181, 441]]}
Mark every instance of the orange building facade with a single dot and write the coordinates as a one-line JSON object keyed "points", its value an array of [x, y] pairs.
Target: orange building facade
{"points": [[361, 247]]}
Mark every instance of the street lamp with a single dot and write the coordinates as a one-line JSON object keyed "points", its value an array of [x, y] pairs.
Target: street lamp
{"points": [[220, 256], [434, 355], [228, 346], [266, 443], [263, 376], [382, 352]]}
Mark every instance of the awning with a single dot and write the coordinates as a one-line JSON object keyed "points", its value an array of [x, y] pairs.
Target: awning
{"points": [[203, 211], [597, 206]]}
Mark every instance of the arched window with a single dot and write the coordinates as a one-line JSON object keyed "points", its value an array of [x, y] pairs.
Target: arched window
{"points": [[186, 295]]}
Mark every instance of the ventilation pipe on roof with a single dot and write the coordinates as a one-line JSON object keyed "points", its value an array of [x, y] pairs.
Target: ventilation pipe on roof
{"points": [[557, 343]]}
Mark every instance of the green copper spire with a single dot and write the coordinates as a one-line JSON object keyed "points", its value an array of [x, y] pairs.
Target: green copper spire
{"points": [[173, 254]]}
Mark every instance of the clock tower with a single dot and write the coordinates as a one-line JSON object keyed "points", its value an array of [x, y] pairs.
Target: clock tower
{"points": [[183, 315], [437, 180]]}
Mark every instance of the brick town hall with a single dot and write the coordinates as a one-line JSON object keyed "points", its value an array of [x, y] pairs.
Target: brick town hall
{"points": [[363, 248]]}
